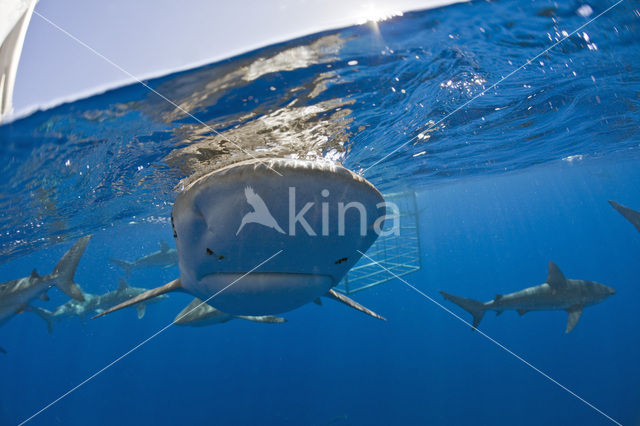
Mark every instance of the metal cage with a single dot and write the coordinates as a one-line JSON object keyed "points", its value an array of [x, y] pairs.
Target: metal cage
{"points": [[398, 252]]}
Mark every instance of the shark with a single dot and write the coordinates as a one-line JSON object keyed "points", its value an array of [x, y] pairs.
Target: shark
{"points": [[95, 304], [165, 257], [16, 295], [629, 214], [199, 314], [262, 271], [556, 293]]}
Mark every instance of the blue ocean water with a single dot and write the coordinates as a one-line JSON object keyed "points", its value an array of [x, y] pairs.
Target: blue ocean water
{"points": [[515, 178]]}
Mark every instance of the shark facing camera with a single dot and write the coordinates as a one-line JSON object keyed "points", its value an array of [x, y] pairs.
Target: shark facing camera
{"points": [[228, 222]]}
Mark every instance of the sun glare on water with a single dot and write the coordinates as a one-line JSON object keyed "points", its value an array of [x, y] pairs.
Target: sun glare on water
{"points": [[372, 13]]}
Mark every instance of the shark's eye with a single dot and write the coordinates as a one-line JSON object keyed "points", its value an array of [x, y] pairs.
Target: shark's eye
{"points": [[173, 227]]}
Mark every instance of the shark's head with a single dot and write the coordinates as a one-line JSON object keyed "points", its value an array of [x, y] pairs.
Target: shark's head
{"points": [[594, 292], [314, 217]]}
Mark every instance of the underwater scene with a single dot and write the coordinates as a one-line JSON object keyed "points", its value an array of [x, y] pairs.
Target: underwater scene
{"points": [[429, 219]]}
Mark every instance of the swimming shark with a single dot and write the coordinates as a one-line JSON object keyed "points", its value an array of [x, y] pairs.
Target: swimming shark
{"points": [[319, 201], [199, 314], [95, 304], [165, 257], [555, 294], [629, 214], [15, 295]]}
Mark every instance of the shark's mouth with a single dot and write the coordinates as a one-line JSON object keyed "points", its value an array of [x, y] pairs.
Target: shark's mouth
{"points": [[260, 293]]}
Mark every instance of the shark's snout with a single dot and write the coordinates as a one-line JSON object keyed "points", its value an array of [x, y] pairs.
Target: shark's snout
{"points": [[607, 291]]}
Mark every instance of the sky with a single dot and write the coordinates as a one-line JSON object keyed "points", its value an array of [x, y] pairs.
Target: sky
{"points": [[152, 37]]}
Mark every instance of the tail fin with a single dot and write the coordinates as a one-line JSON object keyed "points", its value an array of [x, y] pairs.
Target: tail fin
{"points": [[629, 214], [127, 266], [474, 307], [66, 268], [45, 315], [122, 284]]}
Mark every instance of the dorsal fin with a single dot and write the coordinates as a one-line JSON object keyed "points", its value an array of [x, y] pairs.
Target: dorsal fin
{"points": [[195, 303], [555, 278], [497, 298], [164, 246], [34, 274], [122, 284], [175, 285], [195, 311]]}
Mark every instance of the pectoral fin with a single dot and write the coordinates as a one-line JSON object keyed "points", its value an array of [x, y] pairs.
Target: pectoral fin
{"points": [[574, 316], [263, 318], [355, 305], [521, 312], [174, 285], [141, 308]]}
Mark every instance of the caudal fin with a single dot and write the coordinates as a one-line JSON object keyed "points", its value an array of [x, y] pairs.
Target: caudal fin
{"points": [[127, 266], [45, 315], [64, 271], [629, 214], [474, 307]]}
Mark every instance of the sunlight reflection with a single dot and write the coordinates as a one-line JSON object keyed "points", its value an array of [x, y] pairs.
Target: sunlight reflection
{"points": [[373, 13]]}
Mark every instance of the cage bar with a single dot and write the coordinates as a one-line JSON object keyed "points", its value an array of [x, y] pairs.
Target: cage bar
{"points": [[398, 252]]}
